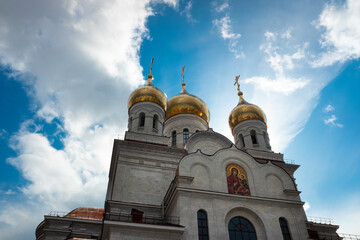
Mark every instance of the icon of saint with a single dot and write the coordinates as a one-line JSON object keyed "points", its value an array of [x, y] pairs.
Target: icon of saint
{"points": [[236, 184]]}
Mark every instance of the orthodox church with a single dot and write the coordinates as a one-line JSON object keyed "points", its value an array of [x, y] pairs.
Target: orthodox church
{"points": [[173, 177]]}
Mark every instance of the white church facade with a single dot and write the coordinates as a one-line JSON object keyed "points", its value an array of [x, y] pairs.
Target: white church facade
{"points": [[173, 177]]}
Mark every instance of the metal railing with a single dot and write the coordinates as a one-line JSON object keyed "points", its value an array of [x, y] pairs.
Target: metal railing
{"points": [[320, 220], [148, 219], [57, 214], [96, 216], [289, 161]]}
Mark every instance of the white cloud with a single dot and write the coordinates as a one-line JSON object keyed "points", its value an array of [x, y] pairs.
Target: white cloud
{"points": [[341, 37], [80, 60], [306, 206], [332, 121], [329, 108], [286, 34], [284, 85], [222, 7], [270, 35], [224, 27], [27, 215], [278, 94], [187, 12], [3, 133], [281, 62]]}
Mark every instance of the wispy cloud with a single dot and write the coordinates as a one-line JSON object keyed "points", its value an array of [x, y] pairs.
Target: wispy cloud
{"points": [[224, 26], [332, 121], [283, 88], [329, 108], [3, 133], [285, 61], [341, 36], [222, 7], [281, 84], [187, 12]]}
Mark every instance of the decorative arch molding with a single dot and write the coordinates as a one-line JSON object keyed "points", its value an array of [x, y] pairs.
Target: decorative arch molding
{"points": [[187, 162], [251, 216], [201, 176], [274, 184], [209, 135]]}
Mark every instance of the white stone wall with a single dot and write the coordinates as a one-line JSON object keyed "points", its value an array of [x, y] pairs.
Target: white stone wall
{"points": [[260, 176], [179, 122], [143, 173], [205, 187], [263, 214]]}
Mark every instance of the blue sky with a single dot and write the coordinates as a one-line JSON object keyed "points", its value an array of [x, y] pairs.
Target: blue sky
{"points": [[68, 67]]}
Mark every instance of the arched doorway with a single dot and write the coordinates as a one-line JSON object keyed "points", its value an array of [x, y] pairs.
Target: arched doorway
{"points": [[241, 229]]}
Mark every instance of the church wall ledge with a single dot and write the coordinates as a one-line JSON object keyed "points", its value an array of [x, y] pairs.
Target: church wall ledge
{"points": [[227, 195], [153, 227], [148, 165]]}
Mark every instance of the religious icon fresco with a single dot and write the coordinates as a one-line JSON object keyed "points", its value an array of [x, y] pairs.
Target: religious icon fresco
{"points": [[237, 180]]}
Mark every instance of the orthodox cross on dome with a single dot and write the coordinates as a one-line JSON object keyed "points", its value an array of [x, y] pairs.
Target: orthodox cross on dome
{"points": [[183, 81], [152, 60], [150, 76], [241, 99]]}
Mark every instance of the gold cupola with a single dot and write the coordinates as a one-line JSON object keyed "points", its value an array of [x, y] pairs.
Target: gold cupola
{"points": [[148, 93], [185, 103], [244, 110]]}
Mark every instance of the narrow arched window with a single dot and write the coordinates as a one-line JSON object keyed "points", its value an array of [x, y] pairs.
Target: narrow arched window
{"points": [[240, 229], [185, 135], [203, 230], [253, 137], [141, 119], [284, 229], [241, 139], [155, 121], [173, 138]]}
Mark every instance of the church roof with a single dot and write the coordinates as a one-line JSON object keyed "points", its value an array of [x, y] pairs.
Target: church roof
{"points": [[87, 213]]}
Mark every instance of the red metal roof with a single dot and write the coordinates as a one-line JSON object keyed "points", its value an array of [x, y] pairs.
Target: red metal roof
{"points": [[88, 213]]}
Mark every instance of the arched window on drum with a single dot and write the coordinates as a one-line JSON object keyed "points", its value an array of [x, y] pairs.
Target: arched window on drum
{"points": [[185, 135], [142, 119], [155, 121], [173, 138]]}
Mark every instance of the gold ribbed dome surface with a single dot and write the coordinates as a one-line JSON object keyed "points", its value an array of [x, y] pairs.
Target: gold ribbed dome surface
{"points": [[185, 103], [147, 93], [245, 111]]}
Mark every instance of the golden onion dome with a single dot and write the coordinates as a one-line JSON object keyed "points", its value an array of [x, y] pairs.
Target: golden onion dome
{"points": [[185, 103], [245, 111], [147, 93]]}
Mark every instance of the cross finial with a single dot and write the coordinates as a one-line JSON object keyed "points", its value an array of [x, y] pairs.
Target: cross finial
{"points": [[152, 60], [182, 74], [183, 81], [237, 82], [241, 99], [150, 76]]}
